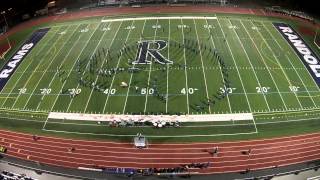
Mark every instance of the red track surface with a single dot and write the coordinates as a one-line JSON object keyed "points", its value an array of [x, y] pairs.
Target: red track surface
{"points": [[266, 153]]}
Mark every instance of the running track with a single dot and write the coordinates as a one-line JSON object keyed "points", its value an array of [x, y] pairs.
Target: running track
{"points": [[267, 153]]}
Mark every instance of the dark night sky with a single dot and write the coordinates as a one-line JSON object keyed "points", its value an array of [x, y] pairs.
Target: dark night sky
{"points": [[22, 5]]}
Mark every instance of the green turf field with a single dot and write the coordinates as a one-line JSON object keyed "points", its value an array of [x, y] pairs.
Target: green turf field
{"points": [[219, 66]]}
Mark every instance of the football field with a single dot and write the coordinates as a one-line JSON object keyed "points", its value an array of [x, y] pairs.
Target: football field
{"points": [[162, 65]]}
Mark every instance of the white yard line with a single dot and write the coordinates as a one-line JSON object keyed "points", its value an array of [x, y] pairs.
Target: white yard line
{"points": [[150, 66], [282, 69], [248, 58], [39, 65], [45, 72], [83, 47], [230, 109], [16, 83], [267, 67], [244, 90], [131, 76], [291, 66], [201, 58], [59, 66], [278, 62], [282, 38], [185, 70], [105, 105], [104, 60], [157, 18], [167, 95], [92, 54], [235, 63]]}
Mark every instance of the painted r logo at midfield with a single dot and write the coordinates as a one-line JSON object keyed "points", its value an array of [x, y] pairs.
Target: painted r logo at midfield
{"points": [[144, 51]]}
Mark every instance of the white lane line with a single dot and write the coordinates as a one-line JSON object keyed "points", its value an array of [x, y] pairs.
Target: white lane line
{"points": [[248, 58], [125, 103], [201, 58], [83, 47], [185, 69], [150, 66], [110, 44], [105, 104], [265, 65]]}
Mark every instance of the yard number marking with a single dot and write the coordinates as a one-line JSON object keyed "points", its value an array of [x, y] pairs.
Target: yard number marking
{"points": [[262, 90], [84, 30], [208, 26], [111, 91], [150, 91], [294, 88], [106, 29], [188, 90], [232, 27], [22, 90], [45, 91], [74, 91], [226, 90], [156, 26], [183, 26], [130, 27]]}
